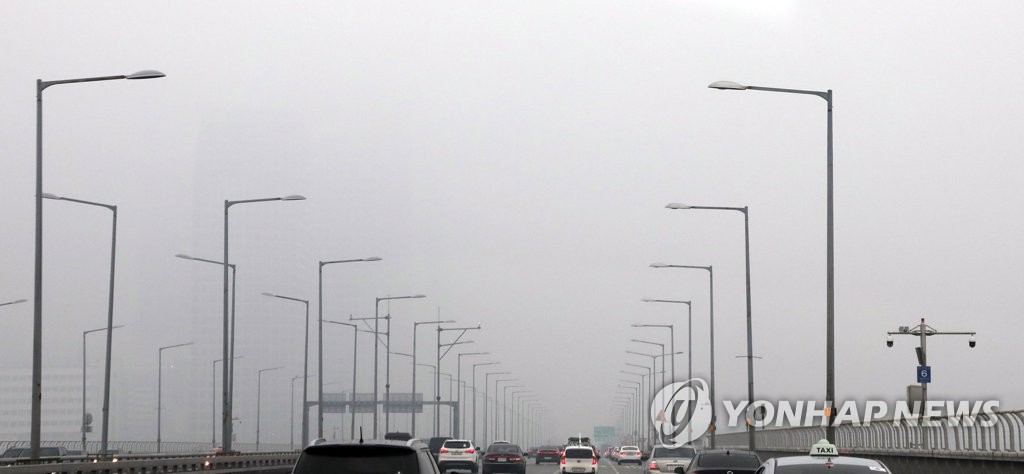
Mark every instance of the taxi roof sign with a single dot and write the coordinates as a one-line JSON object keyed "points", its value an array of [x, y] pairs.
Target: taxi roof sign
{"points": [[824, 448]]}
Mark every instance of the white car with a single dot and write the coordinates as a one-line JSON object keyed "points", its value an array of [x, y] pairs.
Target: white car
{"points": [[458, 454], [628, 454], [578, 460]]}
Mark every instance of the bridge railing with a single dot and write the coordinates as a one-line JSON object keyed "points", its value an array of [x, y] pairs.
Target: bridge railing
{"points": [[947, 436], [146, 447]]}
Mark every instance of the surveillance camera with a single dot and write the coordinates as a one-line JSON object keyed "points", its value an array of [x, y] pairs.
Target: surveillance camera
{"points": [[972, 342], [888, 341]]}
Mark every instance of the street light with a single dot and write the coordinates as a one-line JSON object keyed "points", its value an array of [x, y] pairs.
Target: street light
{"points": [[830, 382], [226, 418], [320, 338], [376, 350], [437, 388], [259, 389], [110, 306], [84, 333], [159, 389], [415, 326], [213, 411], [505, 410], [305, 367], [37, 320], [291, 431], [689, 334], [750, 331], [672, 344], [487, 383], [355, 356], [458, 371], [475, 393], [496, 383], [711, 326], [231, 351]]}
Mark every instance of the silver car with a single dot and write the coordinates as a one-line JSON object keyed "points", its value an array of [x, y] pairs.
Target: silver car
{"points": [[667, 459]]}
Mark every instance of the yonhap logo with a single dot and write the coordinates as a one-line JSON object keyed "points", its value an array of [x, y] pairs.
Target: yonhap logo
{"points": [[681, 412]]}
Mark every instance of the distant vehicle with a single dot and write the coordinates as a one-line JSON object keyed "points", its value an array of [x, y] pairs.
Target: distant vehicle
{"points": [[49, 452], [435, 444], [579, 441], [665, 459], [398, 436], [458, 454], [738, 461], [503, 457], [531, 452], [578, 460], [824, 458], [407, 457], [548, 454], [628, 454]]}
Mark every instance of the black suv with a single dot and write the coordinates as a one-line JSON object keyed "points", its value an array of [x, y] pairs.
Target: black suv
{"points": [[435, 444], [407, 457]]}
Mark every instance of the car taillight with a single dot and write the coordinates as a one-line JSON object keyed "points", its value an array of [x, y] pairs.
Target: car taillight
{"points": [[516, 458], [594, 461], [470, 451], [444, 450], [652, 465], [562, 461]]}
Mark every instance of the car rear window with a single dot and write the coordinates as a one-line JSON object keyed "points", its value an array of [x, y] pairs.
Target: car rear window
{"points": [[729, 460], [680, 452], [358, 460], [504, 448], [456, 444], [577, 453], [629, 448], [548, 448], [823, 469]]}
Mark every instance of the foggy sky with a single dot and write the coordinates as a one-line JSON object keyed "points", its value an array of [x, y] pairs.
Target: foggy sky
{"points": [[512, 160]]}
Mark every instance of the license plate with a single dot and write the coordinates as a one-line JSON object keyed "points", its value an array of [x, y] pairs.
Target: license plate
{"points": [[578, 469], [502, 459], [456, 452]]}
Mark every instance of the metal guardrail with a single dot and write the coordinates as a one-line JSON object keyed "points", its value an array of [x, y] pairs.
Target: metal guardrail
{"points": [[264, 462], [1003, 440], [146, 447]]}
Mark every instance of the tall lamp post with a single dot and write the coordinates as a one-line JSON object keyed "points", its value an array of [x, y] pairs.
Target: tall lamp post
{"points": [[415, 327], [437, 378], [711, 330], [320, 337], [475, 396], [671, 340], [37, 320], [84, 420], [638, 409], [750, 331], [231, 350], [507, 408], [689, 335], [259, 391], [487, 383], [227, 426], [663, 353], [376, 351], [458, 371], [355, 352], [305, 366], [496, 383], [110, 307], [213, 395], [830, 381], [159, 389]]}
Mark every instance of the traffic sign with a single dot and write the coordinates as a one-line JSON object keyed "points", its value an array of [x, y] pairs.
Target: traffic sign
{"points": [[924, 374]]}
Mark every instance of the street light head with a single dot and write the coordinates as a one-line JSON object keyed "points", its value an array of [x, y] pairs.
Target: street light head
{"points": [[269, 294], [676, 205], [647, 300], [727, 85], [372, 259], [888, 341], [293, 197], [145, 74], [659, 265], [972, 342], [418, 296], [50, 196], [185, 256]]}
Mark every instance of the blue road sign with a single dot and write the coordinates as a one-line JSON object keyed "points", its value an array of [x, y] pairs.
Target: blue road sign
{"points": [[924, 374]]}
